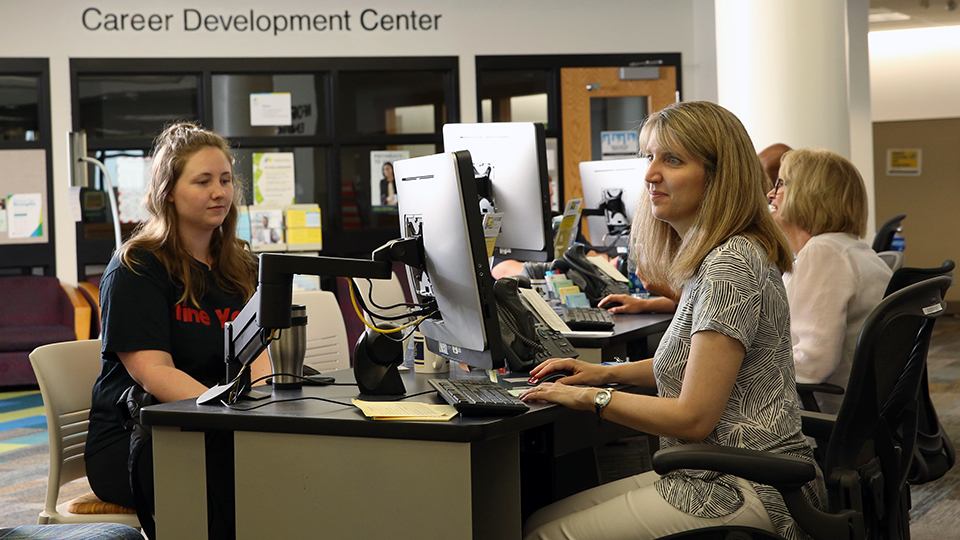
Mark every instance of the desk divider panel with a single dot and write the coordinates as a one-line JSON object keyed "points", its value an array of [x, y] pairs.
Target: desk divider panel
{"points": [[307, 486]]}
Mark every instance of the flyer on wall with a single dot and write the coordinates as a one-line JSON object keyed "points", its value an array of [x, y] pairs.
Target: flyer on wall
{"points": [[383, 186], [273, 178]]}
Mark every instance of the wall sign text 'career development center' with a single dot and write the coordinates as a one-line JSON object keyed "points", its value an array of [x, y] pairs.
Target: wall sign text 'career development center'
{"points": [[193, 20]]}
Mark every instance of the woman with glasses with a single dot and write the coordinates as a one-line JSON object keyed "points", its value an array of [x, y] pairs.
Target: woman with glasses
{"points": [[820, 203], [724, 368]]}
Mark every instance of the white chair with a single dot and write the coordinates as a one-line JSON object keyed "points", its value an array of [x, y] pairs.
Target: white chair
{"points": [[66, 373], [894, 259], [327, 347]]}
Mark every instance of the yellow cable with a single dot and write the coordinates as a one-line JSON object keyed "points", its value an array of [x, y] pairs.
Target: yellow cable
{"points": [[356, 307]]}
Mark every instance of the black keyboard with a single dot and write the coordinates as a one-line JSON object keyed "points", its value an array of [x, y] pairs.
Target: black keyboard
{"points": [[478, 397], [587, 318]]}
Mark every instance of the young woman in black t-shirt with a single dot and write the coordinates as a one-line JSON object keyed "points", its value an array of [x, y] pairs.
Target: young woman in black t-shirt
{"points": [[165, 297]]}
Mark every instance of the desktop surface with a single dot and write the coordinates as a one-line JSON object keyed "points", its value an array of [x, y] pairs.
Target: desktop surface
{"points": [[305, 412]]}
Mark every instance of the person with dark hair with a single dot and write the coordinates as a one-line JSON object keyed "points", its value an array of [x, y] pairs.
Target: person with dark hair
{"points": [[165, 297], [724, 368], [770, 159]]}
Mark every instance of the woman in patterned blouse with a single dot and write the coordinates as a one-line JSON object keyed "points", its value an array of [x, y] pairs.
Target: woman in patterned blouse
{"points": [[724, 369]]}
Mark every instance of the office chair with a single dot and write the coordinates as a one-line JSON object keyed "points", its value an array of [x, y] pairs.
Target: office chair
{"points": [[66, 373], [327, 346], [870, 441], [894, 259], [909, 275], [935, 453], [883, 240]]}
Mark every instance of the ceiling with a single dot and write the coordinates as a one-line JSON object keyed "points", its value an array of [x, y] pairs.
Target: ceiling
{"points": [[921, 13]]}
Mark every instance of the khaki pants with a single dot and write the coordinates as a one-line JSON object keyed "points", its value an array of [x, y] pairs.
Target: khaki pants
{"points": [[631, 509]]}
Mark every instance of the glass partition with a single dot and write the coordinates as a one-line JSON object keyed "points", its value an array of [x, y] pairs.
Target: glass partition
{"points": [[135, 106], [368, 187], [231, 103], [19, 108], [392, 102]]}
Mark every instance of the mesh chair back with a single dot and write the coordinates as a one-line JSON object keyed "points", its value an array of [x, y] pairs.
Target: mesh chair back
{"points": [[874, 437], [907, 275], [934, 454]]}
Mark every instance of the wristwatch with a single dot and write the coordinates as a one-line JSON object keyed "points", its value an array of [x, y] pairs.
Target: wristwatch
{"points": [[601, 400]]}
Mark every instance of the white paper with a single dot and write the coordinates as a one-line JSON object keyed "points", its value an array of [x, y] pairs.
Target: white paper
{"points": [[133, 175], [273, 178], [75, 210], [543, 309], [271, 109], [24, 215], [607, 268]]}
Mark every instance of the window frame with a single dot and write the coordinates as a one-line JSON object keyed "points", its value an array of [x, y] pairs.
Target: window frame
{"points": [[336, 240]]}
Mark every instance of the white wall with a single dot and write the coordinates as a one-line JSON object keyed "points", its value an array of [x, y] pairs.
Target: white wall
{"points": [[915, 74], [54, 29]]}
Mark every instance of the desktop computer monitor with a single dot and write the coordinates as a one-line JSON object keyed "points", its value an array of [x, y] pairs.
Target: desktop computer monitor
{"points": [[510, 163], [615, 185], [437, 198]]}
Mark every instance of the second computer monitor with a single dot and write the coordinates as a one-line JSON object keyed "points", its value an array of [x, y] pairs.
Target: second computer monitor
{"points": [[437, 202], [611, 180], [513, 156]]}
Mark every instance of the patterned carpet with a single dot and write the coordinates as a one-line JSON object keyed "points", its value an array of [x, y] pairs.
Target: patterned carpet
{"points": [[24, 456]]}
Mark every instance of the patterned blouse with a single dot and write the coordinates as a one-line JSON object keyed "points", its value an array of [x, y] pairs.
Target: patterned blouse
{"points": [[738, 294]]}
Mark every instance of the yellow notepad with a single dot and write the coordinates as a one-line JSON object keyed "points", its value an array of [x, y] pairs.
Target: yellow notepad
{"points": [[405, 410]]}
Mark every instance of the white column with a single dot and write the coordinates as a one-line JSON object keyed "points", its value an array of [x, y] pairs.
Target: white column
{"points": [[782, 69]]}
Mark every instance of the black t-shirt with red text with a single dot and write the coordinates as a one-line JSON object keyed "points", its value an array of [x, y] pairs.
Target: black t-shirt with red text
{"points": [[139, 311]]}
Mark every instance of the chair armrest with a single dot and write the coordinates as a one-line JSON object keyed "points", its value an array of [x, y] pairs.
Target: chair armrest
{"points": [[763, 467], [817, 425], [81, 311], [806, 393], [823, 388], [787, 474]]}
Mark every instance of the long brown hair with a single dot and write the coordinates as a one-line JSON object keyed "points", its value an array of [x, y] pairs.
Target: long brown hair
{"points": [[733, 200], [234, 270]]}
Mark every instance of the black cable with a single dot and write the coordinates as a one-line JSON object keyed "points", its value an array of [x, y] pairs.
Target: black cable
{"points": [[402, 304], [423, 311], [234, 407]]}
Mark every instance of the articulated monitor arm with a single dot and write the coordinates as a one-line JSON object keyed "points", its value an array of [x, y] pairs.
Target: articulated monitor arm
{"points": [[270, 307]]}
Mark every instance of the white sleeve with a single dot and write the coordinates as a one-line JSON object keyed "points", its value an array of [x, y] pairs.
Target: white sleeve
{"points": [[819, 291]]}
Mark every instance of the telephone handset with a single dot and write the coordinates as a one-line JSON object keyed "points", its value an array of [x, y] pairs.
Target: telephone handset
{"points": [[596, 284], [527, 339]]}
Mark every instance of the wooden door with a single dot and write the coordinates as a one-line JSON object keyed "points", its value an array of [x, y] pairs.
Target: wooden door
{"points": [[577, 87]]}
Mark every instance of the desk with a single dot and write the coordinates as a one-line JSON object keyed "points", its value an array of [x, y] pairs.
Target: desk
{"points": [[313, 468], [629, 329]]}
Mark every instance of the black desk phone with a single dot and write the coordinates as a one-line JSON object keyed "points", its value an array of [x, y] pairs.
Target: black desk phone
{"points": [[584, 274], [527, 339]]}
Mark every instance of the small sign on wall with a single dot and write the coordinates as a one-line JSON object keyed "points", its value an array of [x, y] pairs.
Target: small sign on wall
{"points": [[271, 109], [904, 162]]}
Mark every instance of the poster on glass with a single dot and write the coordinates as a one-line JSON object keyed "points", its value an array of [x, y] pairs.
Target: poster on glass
{"points": [[383, 188]]}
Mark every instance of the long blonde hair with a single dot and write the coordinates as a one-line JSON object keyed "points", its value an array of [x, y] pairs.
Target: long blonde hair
{"points": [[234, 270], [733, 200]]}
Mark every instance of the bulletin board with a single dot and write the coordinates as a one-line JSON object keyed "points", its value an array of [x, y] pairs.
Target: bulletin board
{"points": [[23, 181]]}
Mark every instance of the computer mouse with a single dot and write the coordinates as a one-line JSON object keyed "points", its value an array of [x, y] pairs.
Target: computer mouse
{"points": [[553, 376], [610, 304]]}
